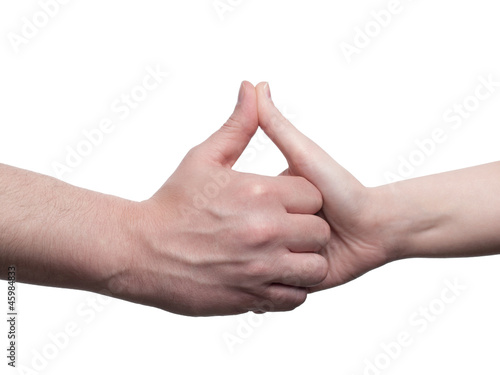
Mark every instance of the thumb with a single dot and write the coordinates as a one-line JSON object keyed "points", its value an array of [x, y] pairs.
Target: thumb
{"points": [[226, 145], [305, 158]]}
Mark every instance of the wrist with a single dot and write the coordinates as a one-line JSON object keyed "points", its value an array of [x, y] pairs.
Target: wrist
{"points": [[410, 225], [141, 231], [118, 241], [392, 225]]}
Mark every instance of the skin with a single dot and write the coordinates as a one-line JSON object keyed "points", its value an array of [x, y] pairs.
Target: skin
{"points": [[211, 241], [453, 214]]}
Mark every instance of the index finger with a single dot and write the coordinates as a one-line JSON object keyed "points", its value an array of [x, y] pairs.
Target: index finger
{"points": [[298, 195]]}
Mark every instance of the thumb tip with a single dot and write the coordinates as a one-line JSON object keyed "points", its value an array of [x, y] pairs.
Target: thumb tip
{"points": [[245, 85], [264, 89]]}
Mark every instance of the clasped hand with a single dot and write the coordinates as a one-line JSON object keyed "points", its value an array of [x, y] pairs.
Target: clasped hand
{"points": [[257, 243]]}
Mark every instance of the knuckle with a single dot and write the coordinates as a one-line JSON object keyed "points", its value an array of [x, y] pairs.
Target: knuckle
{"points": [[313, 270], [289, 278], [192, 153], [261, 232], [263, 306], [314, 194], [316, 268], [292, 276], [299, 298], [235, 125], [232, 123], [309, 190], [258, 190], [259, 269], [322, 270], [325, 233], [316, 197], [286, 299]]}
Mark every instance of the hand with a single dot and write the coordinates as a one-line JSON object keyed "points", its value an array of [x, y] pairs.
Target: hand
{"points": [[357, 242], [216, 242]]}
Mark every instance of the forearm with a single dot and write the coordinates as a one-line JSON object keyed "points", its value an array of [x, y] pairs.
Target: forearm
{"points": [[57, 234], [451, 214]]}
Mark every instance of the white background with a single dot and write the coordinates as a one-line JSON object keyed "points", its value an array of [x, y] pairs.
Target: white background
{"points": [[365, 113]]}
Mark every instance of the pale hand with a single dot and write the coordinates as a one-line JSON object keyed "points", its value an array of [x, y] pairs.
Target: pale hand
{"points": [[358, 241]]}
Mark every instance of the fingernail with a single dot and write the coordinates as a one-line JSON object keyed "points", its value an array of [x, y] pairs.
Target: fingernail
{"points": [[267, 90], [241, 94]]}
